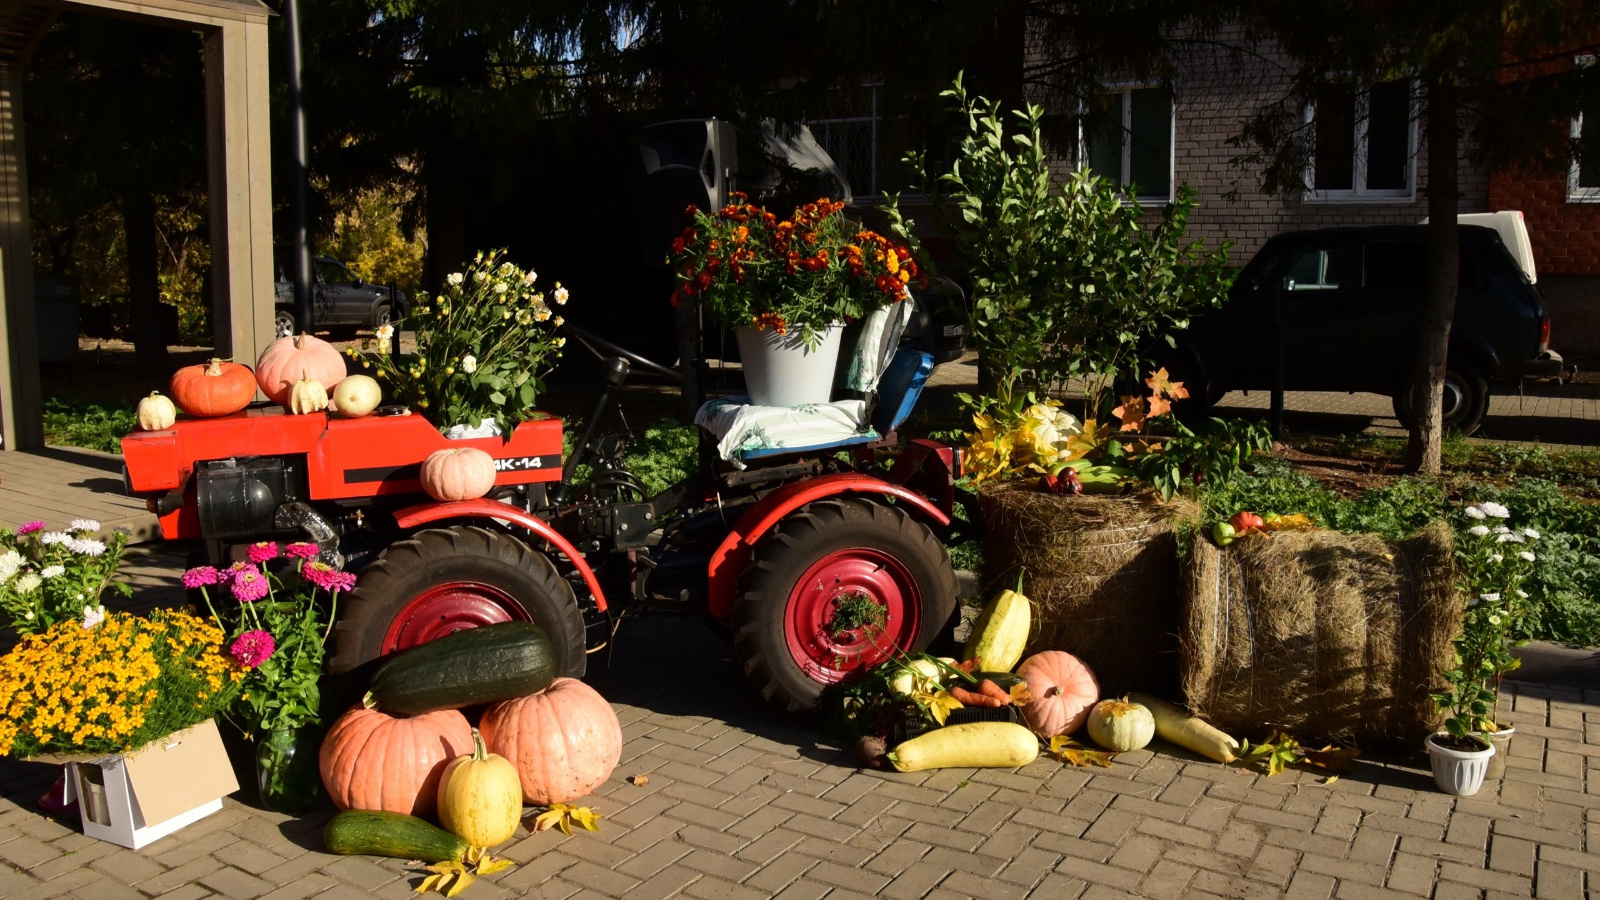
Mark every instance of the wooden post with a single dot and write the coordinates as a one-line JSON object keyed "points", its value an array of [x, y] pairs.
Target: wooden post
{"points": [[21, 406]]}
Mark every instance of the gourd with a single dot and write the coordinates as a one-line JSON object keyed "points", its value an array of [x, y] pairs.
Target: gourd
{"points": [[464, 473], [366, 832], [471, 666], [156, 412], [480, 797], [1000, 632], [1174, 724], [906, 679], [291, 359], [216, 388], [307, 396], [565, 740], [1120, 726], [974, 745], [1063, 692], [356, 396], [372, 760]]}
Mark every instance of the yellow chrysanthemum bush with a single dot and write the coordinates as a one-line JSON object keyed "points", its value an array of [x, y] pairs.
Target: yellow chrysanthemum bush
{"points": [[112, 686]]}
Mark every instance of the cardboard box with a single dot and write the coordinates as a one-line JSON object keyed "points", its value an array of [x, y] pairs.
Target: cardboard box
{"points": [[135, 798]]}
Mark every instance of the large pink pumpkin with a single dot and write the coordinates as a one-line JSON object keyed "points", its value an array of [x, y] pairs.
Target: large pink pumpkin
{"points": [[459, 473], [1063, 689], [565, 740], [372, 760], [291, 359]]}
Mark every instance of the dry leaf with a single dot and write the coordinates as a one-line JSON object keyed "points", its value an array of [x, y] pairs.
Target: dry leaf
{"points": [[490, 866], [564, 816], [1020, 695], [1070, 751], [638, 780], [1333, 759]]}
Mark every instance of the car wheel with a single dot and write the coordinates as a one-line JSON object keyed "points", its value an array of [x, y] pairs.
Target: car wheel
{"points": [[283, 324], [1465, 401], [382, 317]]}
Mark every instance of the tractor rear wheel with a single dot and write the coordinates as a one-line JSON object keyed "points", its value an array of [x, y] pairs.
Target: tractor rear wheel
{"points": [[835, 589], [443, 580]]}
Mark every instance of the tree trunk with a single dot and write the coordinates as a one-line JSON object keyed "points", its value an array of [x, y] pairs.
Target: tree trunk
{"points": [[1444, 252], [145, 310]]}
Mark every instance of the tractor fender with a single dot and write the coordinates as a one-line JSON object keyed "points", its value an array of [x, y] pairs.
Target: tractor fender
{"points": [[429, 513], [734, 551]]}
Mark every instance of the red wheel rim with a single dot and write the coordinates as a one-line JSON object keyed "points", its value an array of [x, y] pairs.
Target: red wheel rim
{"points": [[447, 608], [829, 658]]}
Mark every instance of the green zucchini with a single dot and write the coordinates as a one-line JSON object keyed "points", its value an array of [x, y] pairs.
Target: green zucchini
{"points": [[367, 832], [472, 666]]}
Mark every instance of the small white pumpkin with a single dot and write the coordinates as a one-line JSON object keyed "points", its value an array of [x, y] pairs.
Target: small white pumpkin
{"points": [[307, 396], [1120, 726], [356, 396], [156, 412]]}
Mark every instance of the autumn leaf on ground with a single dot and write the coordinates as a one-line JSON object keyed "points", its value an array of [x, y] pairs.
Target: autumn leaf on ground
{"points": [[485, 864], [1270, 756], [564, 816], [449, 878], [1070, 751], [1331, 758], [638, 780]]}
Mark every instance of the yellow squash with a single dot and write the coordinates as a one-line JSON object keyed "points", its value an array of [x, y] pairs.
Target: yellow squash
{"points": [[480, 797], [1174, 724], [1001, 632], [974, 745]]}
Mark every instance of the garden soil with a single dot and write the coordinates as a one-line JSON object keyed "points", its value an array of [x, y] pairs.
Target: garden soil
{"points": [[1320, 634], [1102, 573]]}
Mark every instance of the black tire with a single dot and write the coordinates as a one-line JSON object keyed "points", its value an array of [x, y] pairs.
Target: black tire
{"points": [[784, 555], [442, 555], [381, 316], [283, 322], [1466, 400]]}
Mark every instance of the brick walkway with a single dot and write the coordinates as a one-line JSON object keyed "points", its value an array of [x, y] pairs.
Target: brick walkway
{"points": [[742, 803]]}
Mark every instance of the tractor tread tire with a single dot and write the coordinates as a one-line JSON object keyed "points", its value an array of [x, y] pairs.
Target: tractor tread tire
{"points": [[783, 555], [407, 567]]}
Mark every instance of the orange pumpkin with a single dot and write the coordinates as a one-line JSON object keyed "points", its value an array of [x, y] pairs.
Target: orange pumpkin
{"points": [[372, 760], [464, 473], [291, 359], [1063, 689], [565, 740], [217, 388]]}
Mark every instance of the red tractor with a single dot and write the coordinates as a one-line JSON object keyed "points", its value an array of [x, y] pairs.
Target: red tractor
{"points": [[779, 548]]}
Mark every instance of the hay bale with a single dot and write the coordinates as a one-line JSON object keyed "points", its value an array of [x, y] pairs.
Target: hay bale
{"points": [[1320, 634], [1102, 573]]}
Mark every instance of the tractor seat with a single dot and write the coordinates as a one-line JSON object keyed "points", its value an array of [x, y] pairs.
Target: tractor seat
{"points": [[877, 387]]}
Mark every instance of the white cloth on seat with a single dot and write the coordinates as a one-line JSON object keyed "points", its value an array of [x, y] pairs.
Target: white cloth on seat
{"points": [[741, 428]]}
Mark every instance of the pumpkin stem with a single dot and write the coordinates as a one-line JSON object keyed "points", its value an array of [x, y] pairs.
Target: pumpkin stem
{"points": [[369, 701], [479, 751], [300, 341], [1020, 576], [216, 366], [1053, 690]]}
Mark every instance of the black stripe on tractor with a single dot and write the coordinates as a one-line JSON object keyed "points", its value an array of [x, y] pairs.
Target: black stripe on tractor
{"points": [[381, 473]]}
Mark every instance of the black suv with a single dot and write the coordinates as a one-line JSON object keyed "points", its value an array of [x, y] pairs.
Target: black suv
{"points": [[340, 301], [1352, 306]]}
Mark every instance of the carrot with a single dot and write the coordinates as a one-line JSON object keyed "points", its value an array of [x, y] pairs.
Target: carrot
{"points": [[990, 689], [974, 698]]}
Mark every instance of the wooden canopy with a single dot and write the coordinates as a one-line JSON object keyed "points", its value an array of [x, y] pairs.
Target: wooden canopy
{"points": [[238, 154]]}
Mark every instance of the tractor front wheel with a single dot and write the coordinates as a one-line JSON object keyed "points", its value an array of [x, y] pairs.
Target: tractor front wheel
{"points": [[447, 579], [835, 589]]}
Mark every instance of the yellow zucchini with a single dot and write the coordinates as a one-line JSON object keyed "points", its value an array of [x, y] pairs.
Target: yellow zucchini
{"points": [[975, 745], [1000, 632], [1174, 724]]}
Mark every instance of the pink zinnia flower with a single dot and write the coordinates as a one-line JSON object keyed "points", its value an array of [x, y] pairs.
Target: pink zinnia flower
{"points": [[319, 574], [200, 576], [340, 581], [31, 527], [302, 551], [252, 648], [262, 551], [249, 586], [238, 567]]}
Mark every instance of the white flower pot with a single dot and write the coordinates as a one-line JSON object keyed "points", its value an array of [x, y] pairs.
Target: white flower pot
{"points": [[780, 370], [1458, 772], [1501, 741]]}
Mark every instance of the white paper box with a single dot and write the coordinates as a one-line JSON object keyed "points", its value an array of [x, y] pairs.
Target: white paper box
{"points": [[134, 798]]}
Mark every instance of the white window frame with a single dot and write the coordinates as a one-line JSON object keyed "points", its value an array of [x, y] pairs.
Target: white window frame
{"points": [[1576, 193], [1125, 91], [1359, 192]]}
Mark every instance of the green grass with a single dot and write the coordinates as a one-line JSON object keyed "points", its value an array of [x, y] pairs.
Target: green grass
{"points": [[71, 423]]}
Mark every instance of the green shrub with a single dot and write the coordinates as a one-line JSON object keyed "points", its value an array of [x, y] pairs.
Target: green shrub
{"points": [[91, 425]]}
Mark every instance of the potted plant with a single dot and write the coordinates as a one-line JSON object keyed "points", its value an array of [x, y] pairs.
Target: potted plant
{"points": [[483, 344], [787, 288], [277, 628], [1495, 560]]}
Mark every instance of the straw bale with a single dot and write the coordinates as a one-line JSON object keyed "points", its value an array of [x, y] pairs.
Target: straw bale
{"points": [[1320, 634], [1102, 573]]}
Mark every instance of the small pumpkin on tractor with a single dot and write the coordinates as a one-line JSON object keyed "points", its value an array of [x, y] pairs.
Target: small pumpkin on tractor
{"points": [[816, 565]]}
